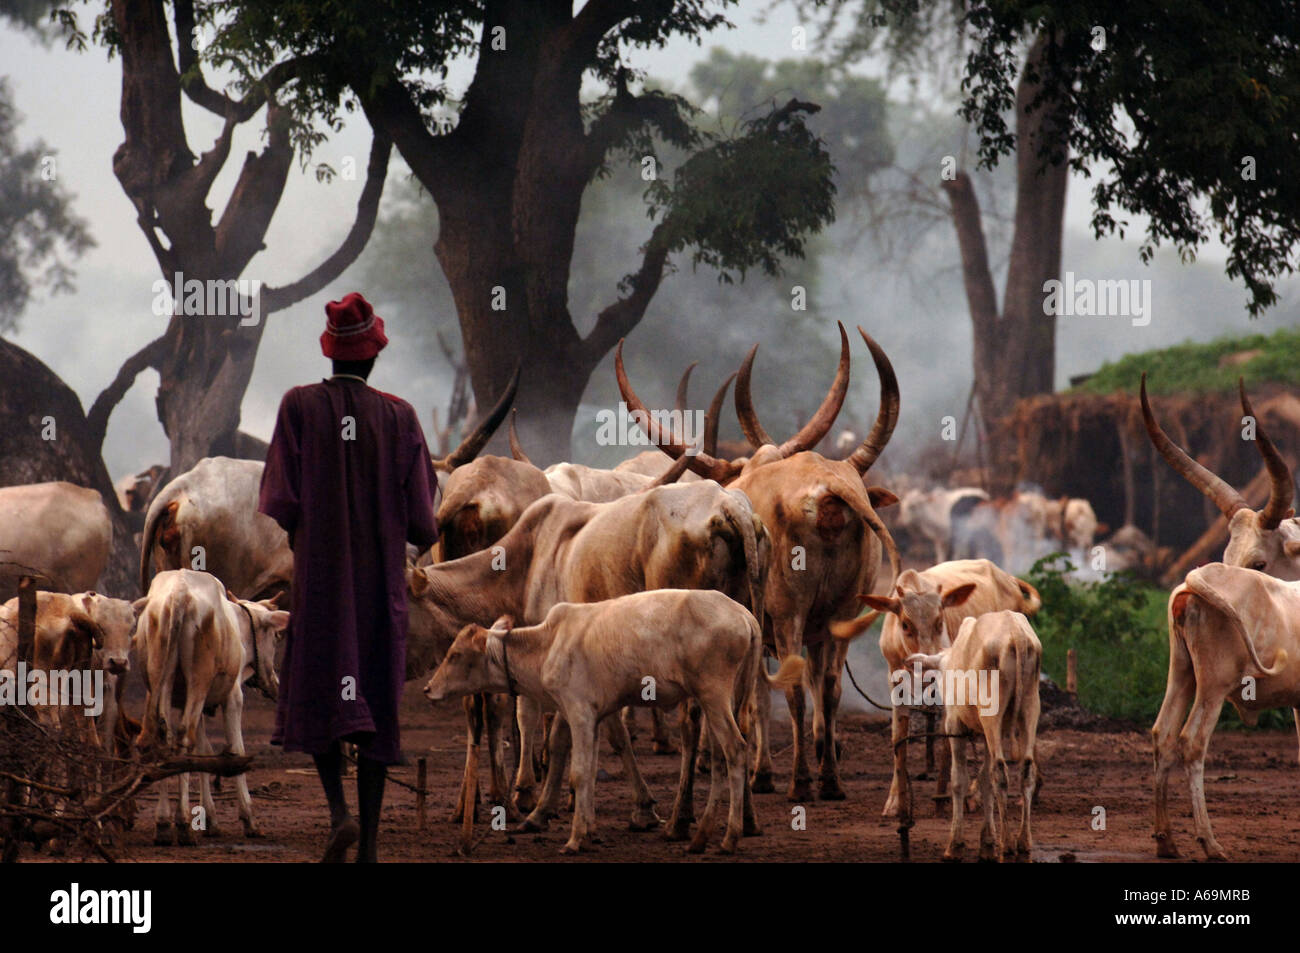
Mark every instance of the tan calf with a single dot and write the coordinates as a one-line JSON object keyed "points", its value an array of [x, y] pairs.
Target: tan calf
{"points": [[655, 649], [198, 645], [989, 684]]}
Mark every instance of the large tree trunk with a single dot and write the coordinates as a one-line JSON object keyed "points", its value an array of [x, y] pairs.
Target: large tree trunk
{"points": [[1015, 349]]}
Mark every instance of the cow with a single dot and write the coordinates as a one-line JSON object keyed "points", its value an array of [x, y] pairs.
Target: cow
{"points": [[59, 531], [1018, 531], [134, 492], [929, 514], [1225, 624], [693, 535], [198, 644], [1266, 540], [988, 681], [590, 660], [87, 628], [921, 614], [827, 544]]}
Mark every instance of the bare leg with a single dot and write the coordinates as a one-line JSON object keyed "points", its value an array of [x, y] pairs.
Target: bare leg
{"points": [[960, 778], [582, 775], [679, 823]]}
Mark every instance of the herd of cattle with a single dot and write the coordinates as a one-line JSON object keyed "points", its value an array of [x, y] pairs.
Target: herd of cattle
{"points": [[559, 600]]}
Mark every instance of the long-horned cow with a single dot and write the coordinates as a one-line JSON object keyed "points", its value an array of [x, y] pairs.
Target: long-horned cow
{"points": [[827, 543]]}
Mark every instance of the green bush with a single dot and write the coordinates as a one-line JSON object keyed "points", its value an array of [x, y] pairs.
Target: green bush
{"points": [[1118, 628], [1194, 367]]}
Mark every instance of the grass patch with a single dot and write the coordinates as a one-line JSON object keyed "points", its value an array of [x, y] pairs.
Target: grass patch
{"points": [[1194, 367]]}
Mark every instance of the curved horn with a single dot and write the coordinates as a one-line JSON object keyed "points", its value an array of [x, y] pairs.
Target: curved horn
{"points": [[820, 423], [674, 472], [713, 416], [683, 387], [1216, 488], [1283, 489], [477, 438], [753, 430], [516, 449], [705, 464], [887, 417]]}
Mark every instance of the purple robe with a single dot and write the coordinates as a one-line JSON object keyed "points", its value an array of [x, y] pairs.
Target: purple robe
{"points": [[349, 478]]}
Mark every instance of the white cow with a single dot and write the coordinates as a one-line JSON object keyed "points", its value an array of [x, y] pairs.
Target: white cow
{"points": [[988, 681], [588, 660], [207, 519], [198, 645], [59, 529]]}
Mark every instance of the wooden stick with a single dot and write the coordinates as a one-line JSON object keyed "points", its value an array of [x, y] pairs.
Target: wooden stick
{"points": [[1072, 674], [421, 774]]}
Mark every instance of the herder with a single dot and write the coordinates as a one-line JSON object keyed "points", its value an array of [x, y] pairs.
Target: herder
{"points": [[349, 478]]}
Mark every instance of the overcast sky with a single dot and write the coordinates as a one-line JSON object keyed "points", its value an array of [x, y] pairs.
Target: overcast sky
{"points": [[71, 101]]}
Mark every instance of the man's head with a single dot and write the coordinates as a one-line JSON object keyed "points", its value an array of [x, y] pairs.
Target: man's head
{"points": [[353, 333]]}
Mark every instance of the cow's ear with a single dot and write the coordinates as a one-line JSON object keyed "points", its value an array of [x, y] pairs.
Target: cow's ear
{"points": [[279, 620], [231, 596], [504, 623], [880, 603], [282, 599], [478, 641], [417, 583], [138, 606], [880, 497], [1292, 548], [955, 597]]}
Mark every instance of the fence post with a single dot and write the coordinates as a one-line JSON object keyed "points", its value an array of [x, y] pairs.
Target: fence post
{"points": [[1072, 675]]}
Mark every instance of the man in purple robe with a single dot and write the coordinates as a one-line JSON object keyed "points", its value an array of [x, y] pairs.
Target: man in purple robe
{"points": [[349, 478]]}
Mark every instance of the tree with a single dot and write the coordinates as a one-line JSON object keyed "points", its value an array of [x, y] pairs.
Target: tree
{"points": [[1183, 115], [205, 356], [508, 164]]}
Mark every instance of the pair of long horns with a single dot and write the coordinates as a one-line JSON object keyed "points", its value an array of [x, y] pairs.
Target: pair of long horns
{"points": [[709, 466], [477, 439], [1224, 496], [709, 443]]}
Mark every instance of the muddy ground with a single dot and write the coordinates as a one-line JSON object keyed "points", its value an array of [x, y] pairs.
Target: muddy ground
{"points": [[1251, 783]]}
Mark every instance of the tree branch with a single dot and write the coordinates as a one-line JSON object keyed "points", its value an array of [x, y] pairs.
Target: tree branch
{"points": [[277, 299], [981, 296], [618, 319], [150, 355], [256, 196]]}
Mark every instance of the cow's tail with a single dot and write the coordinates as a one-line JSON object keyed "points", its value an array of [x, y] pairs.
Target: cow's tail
{"points": [[160, 519], [788, 675], [742, 518], [1026, 680], [1210, 597]]}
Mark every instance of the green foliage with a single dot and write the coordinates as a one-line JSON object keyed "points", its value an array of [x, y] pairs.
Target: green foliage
{"points": [[39, 232], [1117, 627], [1196, 367]]}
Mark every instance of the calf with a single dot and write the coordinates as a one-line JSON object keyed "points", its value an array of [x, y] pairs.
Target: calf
{"points": [[1222, 621], [989, 684], [82, 632], [923, 611], [654, 648], [198, 645]]}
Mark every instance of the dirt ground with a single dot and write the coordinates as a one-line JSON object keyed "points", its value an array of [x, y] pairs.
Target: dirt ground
{"points": [[1251, 784]]}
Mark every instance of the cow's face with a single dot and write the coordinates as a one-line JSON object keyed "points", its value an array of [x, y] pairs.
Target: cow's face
{"points": [[116, 619], [465, 670], [919, 606], [269, 623], [1272, 551]]}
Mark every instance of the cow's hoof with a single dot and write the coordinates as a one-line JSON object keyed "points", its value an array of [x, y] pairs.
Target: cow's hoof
{"points": [[251, 830], [571, 849], [697, 845], [1213, 851], [762, 783], [212, 830], [752, 828], [644, 819], [663, 747], [185, 837], [831, 791], [952, 855], [678, 830], [800, 790], [988, 855], [162, 837], [729, 845], [525, 799], [1165, 846]]}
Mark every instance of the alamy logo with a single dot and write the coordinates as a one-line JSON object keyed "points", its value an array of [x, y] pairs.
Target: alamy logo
{"points": [[82, 688], [232, 297], [1086, 297], [629, 428], [937, 687], [77, 906]]}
